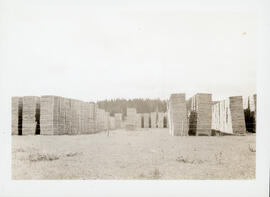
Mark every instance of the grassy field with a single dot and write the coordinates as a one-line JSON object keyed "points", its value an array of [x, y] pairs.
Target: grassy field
{"points": [[142, 154]]}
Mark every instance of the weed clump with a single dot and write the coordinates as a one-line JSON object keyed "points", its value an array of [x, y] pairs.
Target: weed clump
{"points": [[42, 157]]}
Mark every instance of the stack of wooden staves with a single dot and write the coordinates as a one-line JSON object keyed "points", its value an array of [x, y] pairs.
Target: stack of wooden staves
{"points": [[68, 116], [30, 106], [131, 123], [160, 122], [146, 117], [153, 120], [16, 122], [112, 123], [46, 115], [107, 120], [253, 108], [178, 115], [200, 114], [251, 113], [118, 120], [54, 115], [237, 114], [99, 119], [228, 116], [139, 120], [91, 117], [165, 120]]}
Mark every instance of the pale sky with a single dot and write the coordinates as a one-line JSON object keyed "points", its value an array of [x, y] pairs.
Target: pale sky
{"points": [[91, 52]]}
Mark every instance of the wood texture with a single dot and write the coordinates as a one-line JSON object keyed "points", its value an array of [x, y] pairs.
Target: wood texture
{"points": [[177, 115]]}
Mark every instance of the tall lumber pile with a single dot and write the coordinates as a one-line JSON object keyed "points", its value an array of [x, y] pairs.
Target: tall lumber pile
{"points": [[100, 119], [228, 116], [153, 120], [146, 120], [118, 120], [250, 109], [54, 115], [112, 123], [92, 117], [68, 116], [160, 122], [46, 115], [61, 116], [16, 113], [200, 114], [75, 117], [107, 120], [237, 114], [30, 106], [139, 120], [177, 115], [131, 122], [165, 121]]}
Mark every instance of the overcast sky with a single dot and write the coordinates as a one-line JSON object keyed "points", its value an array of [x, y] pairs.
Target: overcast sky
{"points": [[92, 52]]}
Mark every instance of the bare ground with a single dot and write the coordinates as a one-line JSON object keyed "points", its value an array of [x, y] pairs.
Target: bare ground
{"points": [[142, 154]]}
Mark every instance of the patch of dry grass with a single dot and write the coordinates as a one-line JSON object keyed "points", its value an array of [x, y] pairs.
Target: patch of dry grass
{"points": [[42, 157], [133, 155], [182, 159]]}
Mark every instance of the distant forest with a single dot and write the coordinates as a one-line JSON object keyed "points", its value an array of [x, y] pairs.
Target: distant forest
{"points": [[141, 105]]}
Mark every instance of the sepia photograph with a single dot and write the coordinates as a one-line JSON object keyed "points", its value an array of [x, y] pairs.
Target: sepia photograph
{"points": [[130, 92]]}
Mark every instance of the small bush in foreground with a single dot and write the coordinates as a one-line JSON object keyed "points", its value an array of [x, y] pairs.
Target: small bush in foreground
{"points": [[251, 149], [156, 174]]}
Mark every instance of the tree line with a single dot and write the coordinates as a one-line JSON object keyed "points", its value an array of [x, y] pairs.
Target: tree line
{"points": [[142, 105]]}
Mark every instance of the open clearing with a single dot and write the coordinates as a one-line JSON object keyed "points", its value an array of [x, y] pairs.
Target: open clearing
{"points": [[141, 154]]}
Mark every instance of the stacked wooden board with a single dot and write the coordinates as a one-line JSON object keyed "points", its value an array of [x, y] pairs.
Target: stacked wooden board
{"points": [[160, 121], [139, 120], [61, 116], [250, 107], [75, 117], [153, 120], [66, 116], [55, 115], [177, 115], [112, 123], [107, 120], [253, 108], [118, 120], [237, 114], [16, 113], [46, 115], [131, 122], [221, 117], [100, 126], [100, 119], [30, 106], [95, 118], [200, 114], [85, 117], [146, 120], [92, 117], [165, 121], [228, 116]]}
